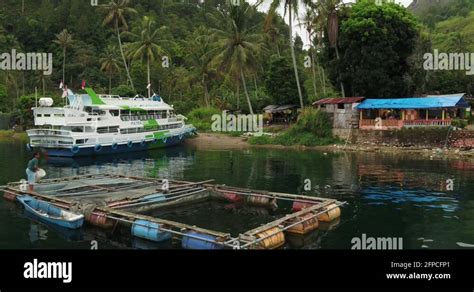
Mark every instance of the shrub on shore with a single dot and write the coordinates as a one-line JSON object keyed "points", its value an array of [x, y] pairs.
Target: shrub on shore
{"points": [[9, 135], [201, 118], [313, 128]]}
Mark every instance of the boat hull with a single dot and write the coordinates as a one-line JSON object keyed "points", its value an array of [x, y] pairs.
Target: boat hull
{"points": [[91, 150], [49, 213]]}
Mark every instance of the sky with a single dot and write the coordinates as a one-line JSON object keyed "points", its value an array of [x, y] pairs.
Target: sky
{"points": [[297, 29]]}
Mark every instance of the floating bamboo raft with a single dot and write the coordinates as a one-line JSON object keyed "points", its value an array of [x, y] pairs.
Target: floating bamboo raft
{"points": [[108, 201]]}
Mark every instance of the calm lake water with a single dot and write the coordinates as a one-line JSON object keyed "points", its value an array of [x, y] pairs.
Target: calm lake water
{"points": [[388, 195]]}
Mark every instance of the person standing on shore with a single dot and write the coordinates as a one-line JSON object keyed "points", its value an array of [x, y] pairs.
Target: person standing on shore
{"points": [[31, 170]]}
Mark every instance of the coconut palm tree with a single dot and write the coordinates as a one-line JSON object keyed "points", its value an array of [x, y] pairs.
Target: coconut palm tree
{"points": [[291, 6], [238, 45], [147, 45], [110, 64], [115, 13], [270, 28], [201, 50], [65, 41], [307, 22], [314, 23], [329, 10]]}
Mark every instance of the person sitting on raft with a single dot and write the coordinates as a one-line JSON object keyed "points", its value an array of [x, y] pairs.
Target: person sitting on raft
{"points": [[31, 170]]}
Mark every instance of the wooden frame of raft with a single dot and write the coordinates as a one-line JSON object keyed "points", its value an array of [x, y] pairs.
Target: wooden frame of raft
{"points": [[308, 211]]}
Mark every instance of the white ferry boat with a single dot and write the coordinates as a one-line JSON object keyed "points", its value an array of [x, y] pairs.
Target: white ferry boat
{"points": [[104, 124]]}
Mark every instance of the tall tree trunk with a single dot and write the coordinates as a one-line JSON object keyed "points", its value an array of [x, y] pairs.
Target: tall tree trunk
{"points": [[246, 92], [23, 83], [278, 50], [256, 87], [123, 55], [324, 79], [44, 87], [342, 85], [148, 85], [321, 75], [293, 56], [314, 74], [238, 95], [206, 92], [64, 66], [110, 84]]}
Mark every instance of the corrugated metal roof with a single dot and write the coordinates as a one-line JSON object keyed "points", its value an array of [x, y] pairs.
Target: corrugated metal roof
{"points": [[278, 108], [432, 101], [338, 100], [270, 107]]}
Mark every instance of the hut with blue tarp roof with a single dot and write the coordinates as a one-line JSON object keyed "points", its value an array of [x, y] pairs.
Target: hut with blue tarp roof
{"points": [[397, 113]]}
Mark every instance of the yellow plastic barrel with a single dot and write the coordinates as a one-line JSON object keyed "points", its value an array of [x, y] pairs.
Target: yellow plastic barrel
{"points": [[306, 226], [274, 238], [333, 212]]}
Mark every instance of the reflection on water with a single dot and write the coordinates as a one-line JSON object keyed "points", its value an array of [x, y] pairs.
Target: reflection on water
{"points": [[387, 194]]}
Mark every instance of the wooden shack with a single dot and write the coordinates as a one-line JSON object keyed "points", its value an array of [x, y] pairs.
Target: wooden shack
{"points": [[342, 111]]}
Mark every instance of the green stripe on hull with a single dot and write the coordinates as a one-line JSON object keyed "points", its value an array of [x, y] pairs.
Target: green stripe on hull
{"points": [[159, 135], [150, 124]]}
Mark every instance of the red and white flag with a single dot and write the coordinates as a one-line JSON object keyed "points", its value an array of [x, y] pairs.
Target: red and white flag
{"points": [[61, 85], [83, 84]]}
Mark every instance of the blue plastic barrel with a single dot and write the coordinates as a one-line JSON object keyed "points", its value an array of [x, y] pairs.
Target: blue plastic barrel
{"points": [[196, 243], [149, 230]]}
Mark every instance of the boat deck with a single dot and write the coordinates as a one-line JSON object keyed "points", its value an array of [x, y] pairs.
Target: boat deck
{"points": [[108, 201]]}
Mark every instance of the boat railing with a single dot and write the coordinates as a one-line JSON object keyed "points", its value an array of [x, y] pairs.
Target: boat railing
{"points": [[48, 132], [175, 119]]}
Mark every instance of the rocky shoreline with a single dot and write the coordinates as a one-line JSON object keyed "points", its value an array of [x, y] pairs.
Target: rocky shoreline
{"points": [[214, 141]]}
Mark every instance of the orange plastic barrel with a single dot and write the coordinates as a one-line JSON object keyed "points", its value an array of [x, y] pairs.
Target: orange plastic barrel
{"points": [[261, 201], [9, 196], [232, 197], [333, 213], [99, 219], [298, 206], [311, 223], [274, 238]]}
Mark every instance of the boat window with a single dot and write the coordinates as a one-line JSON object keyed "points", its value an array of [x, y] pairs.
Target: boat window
{"points": [[77, 129], [98, 112], [103, 130], [115, 113], [39, 115], [80, 141], [47, 115], [106, 130]]}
